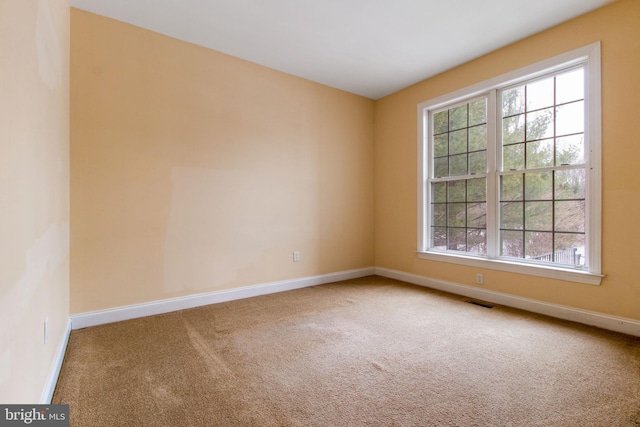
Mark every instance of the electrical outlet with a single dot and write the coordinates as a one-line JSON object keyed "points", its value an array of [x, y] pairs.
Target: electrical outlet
{"points": [[296, 256], [46, 330], [479, 278]]}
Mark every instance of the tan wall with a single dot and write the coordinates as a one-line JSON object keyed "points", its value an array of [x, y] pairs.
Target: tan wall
{"points": [[396, 144], [193, 171], [34, 192]]}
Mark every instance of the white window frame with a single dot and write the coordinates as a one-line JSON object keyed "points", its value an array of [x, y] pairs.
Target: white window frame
{"points": [[589, 56]]}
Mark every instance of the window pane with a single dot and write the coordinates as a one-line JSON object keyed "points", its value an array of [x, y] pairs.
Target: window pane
{"points": [[457, 191], [458, 165], [478, 138], [456, 214], [570, 184], [478, 162], [538, 216], [441, 145], [511, 215], [457, 239], [570, 118], [511, 187], [458, 117], [570, 150], [540, 154], [441, 122], [570, 216], [538, 246], [458, 142], [478, 112], [540, 94], [569, 249], [540, 124], [439, 214], [477, 215], [513, 101], [511, 244], [538, 186], [570, 86], [513, 129], [477, 190], [513, 157], [439, 237], [477, 241], [439, 192], [441, 167]]}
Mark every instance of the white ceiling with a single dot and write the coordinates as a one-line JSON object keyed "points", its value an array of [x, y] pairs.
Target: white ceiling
{"points": [[368, 47]]}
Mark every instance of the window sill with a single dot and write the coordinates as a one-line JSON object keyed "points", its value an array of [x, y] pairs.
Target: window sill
{"points": [[579, 276]]}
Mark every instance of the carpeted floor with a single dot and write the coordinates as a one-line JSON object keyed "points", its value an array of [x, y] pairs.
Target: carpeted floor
{"points": [[364, 352]]}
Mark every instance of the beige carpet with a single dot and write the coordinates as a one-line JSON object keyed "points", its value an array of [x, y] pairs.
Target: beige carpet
{"points": [[365, 352]]}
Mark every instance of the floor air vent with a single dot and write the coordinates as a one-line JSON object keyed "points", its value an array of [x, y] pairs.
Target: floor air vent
{"points": [[480, 303]]}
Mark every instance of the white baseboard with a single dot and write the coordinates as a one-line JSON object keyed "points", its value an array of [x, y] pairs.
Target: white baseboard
{"points": [[117, 314], [52, 380], [612, 323]]}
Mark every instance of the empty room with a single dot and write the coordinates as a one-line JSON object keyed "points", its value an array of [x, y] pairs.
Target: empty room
{"points": [[337, 213]]}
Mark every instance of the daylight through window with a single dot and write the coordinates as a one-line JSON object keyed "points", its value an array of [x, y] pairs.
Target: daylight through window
{"points": [[510, 170]]}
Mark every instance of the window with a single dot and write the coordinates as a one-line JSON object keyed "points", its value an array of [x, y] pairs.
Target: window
{"points": [[510, 171], [458, 184]]}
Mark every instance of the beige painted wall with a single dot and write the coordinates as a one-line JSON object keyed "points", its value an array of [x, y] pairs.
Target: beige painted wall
{"points": [[34, 192], [616, 26], [193, 171]]}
